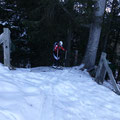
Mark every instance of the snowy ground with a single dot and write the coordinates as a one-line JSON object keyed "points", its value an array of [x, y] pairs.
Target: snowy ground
{"points": [[49, 94]]}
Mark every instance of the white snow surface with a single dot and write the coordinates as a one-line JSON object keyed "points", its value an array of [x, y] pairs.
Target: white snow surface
{"points": [[45, 93]]}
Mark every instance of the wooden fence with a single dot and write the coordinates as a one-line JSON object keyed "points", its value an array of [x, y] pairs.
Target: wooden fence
{"points": [[102, 69], [5, 40]]}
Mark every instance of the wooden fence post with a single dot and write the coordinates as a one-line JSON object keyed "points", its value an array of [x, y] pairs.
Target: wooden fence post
{"points": [[102, 74], [6, 47], [102, 69], [99, 68], [110, 74]]}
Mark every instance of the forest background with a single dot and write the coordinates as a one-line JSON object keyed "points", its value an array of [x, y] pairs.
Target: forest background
{"points": [[37, 24]]}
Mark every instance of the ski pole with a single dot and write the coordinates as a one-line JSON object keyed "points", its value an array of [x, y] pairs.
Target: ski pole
{"points": [[57, 52]]}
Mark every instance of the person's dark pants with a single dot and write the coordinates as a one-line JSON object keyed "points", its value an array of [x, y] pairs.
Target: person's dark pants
{"points": [[60, 61], [56, 62]]}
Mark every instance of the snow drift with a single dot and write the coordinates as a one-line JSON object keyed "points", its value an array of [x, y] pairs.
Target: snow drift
{"points": [[45, 93]]}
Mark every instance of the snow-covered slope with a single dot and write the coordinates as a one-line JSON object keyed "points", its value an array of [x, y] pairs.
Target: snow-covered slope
{"points": [[48, 94]]}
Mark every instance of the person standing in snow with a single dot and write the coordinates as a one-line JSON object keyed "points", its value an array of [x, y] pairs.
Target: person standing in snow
{"points": [[58, 54]]}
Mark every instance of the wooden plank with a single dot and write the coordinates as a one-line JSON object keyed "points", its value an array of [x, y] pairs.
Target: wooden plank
{"points": [[6, 47], [1, 38], [102, 74], [97, 77], [110, 74]]}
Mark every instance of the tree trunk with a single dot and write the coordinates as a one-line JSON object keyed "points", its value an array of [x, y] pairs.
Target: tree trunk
{"points": [[94, 36]]}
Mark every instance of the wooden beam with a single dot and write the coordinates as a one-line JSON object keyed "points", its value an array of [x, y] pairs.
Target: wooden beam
{"points": [[109, 71], [6, 47], [99, 68]]}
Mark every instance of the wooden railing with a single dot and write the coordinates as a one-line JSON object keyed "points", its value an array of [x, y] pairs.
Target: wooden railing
{"points": [[5, 40], [102, 69]]}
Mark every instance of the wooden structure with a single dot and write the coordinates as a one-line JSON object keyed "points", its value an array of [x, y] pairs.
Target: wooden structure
{"points": [[5, 40], [102, 69]]}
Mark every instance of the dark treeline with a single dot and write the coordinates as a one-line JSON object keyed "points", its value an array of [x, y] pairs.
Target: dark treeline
{"points": [[37, 24]]}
